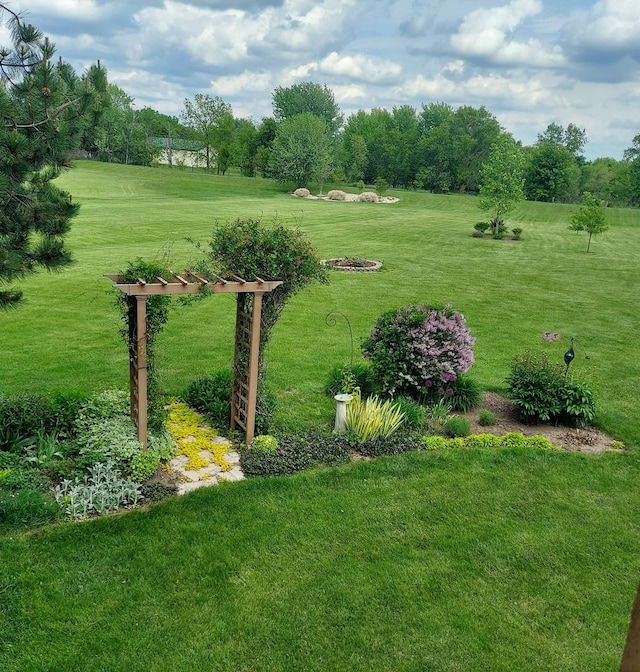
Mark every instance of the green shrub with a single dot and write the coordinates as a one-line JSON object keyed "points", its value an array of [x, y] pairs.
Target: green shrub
{"points": [[466, 394], [457, 426], [345, 380], [481, 227], [486, 417], [144, 465], [540, 392], [21, 417], [264, 443], [482, 441], [65, 407], [434, 442], [372, 418], [578, 405], [397, 443], [381, 186], [211, 396], [488, 441], [414, 413], [517, 233], [295, 453]]}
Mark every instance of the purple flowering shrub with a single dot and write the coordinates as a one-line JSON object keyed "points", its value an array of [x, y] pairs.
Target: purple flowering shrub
{"points": [[419, 350]]}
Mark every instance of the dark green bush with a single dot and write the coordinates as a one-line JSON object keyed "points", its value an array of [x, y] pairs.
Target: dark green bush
{"points": [[295, 453], [23, 416], [397, 443], [481, 227], [211, 396], [466, 394], [540, 392], [65, 407], [578, 405], [457, 426], [346, 378]]}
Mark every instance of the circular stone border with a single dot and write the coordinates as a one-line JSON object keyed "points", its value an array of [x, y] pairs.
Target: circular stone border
{"points": [[374, 265]]}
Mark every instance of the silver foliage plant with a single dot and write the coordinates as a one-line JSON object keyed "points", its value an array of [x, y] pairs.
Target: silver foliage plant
{"points": [[101, 491]]}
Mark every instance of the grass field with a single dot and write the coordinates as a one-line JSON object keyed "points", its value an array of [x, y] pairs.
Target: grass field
{"points": [[467, 561], [460, 560], [510, 292]]}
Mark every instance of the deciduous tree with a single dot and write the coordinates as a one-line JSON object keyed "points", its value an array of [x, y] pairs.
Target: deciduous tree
{"points": [[45, 111], [590, 217], [502, 186], [307, 97], [207, 117], [302, 151]]}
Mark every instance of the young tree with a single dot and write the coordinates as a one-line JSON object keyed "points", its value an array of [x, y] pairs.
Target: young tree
{"points": [[302, 150], [502, 186], [590, 218], [307, 97], [45, 110], [208, 117]]}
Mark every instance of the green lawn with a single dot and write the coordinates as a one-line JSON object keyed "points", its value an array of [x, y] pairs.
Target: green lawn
{"points": [[454, 560], [510, 292], [466, 560]]}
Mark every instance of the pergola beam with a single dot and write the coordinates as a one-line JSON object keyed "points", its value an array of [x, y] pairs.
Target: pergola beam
{"points": [[178, 285]]}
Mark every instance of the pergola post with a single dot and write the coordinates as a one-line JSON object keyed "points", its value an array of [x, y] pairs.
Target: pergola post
{"points": [[141, 340], [254, 364]]}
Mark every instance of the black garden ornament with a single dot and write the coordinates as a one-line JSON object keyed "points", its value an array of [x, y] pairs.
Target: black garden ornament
{"points": [[569, 356]]}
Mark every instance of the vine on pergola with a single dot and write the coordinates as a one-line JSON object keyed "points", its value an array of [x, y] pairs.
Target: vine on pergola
{"points": [[263, 265]]}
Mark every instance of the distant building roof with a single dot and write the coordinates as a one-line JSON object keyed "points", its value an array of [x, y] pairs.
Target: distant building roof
{"points": [[179, 144]]}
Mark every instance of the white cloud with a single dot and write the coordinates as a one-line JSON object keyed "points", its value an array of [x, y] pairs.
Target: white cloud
{"points": [[477, 90], [66, 9], [485, 33], [360, 67], [243, 83], [614, 23], [219, 37]]}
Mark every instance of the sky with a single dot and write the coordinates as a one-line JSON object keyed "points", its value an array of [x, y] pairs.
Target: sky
{"points": [[529, 62]]}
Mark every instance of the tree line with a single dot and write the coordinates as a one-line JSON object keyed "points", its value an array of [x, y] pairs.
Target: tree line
{"points": [[47, 112], [307, 140]]}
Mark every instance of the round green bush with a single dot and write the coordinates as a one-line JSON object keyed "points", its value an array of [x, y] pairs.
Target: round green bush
{"points": [[456, 426]]}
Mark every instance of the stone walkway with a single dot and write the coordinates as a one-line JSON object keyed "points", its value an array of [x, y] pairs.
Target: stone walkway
{"points": [[211, 474]]}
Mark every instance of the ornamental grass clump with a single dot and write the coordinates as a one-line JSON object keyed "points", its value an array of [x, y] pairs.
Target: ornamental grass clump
{"points": [[337, 195], [372, 418], [419, 350]]}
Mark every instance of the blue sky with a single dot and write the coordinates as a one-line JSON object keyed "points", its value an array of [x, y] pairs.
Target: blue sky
{"points": [[529, 62]]}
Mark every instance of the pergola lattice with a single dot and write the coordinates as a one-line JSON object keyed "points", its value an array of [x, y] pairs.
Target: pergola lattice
{"points": [[247, 338]]}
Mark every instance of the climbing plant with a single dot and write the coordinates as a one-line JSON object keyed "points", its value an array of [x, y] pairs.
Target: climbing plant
{"points": [[157, 316], [250, 249]]}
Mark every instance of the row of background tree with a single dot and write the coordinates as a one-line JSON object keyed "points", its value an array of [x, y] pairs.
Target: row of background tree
{"points": [[307, 141]]}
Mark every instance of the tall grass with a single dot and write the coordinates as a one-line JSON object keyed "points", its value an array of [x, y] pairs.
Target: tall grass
{"points": [[510, 292]]}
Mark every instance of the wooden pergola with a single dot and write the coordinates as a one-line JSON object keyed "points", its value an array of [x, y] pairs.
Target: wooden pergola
{"points": [[247, 338]]}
